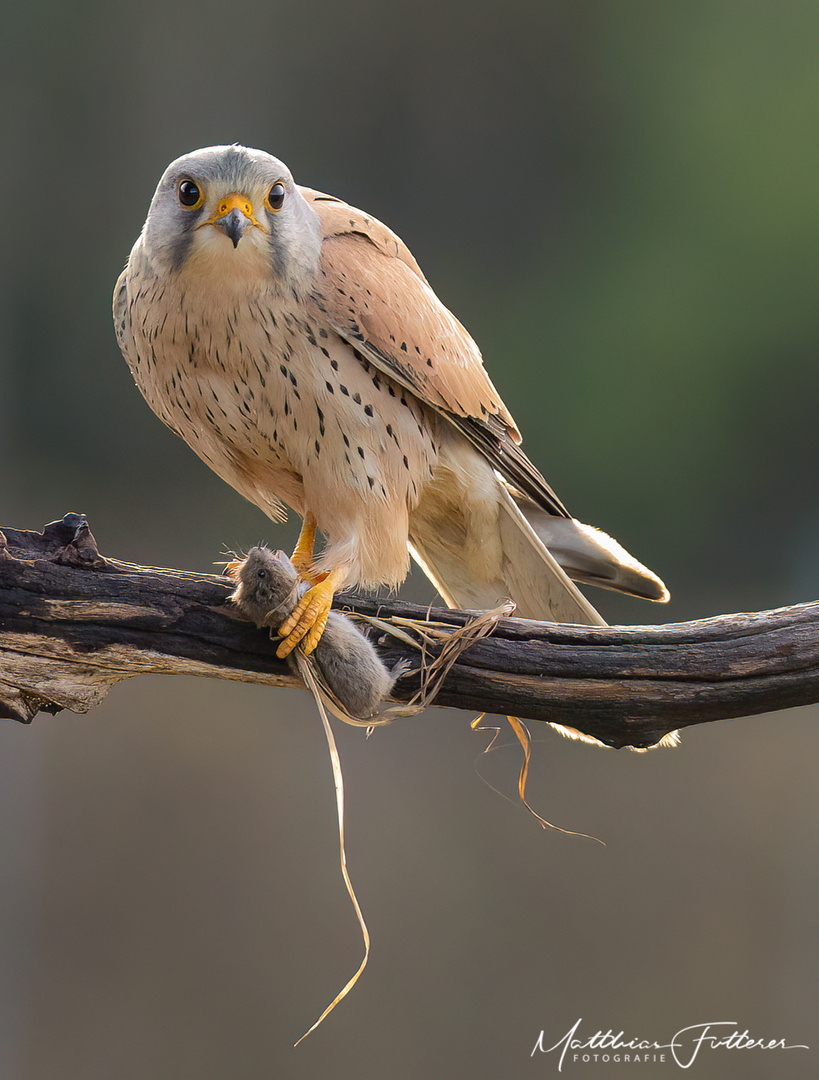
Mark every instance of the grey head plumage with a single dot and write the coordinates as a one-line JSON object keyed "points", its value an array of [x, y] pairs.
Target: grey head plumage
{"points": [[287, 236]]}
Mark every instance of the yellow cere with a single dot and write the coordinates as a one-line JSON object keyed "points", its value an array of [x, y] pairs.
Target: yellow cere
{"points": [[234, 202]]}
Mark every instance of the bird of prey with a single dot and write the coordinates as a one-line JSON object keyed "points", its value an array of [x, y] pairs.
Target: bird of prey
{"points": [[293, 342]]}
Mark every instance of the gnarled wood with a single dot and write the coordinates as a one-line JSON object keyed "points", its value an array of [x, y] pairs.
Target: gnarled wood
{"points": [[72, 624]]}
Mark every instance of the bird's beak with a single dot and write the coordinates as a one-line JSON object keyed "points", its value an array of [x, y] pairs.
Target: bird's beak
{"points": [[234, 215]]}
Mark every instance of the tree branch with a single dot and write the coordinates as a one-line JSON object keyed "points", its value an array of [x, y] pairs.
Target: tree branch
{"points": [[72, 624]]}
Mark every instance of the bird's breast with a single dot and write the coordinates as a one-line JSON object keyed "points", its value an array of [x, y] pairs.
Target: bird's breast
{"points": [[279, 405]]}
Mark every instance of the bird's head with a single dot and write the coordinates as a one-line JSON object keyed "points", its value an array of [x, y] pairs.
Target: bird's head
{"points": [[231, 214]]}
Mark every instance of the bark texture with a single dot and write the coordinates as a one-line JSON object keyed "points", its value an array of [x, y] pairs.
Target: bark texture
{"points": [[73, 624]]}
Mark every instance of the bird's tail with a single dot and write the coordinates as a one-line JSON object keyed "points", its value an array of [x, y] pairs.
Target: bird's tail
{"points": [[506, 561], [589, 555], [515, 563]]}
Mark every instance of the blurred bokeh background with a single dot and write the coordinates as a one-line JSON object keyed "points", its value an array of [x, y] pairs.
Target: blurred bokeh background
{"points": [[620, 202]]}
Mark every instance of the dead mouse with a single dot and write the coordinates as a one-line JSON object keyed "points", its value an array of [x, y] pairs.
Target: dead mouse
{"points": [[267, 590]]}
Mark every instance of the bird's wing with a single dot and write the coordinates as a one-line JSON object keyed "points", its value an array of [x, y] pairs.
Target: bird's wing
{"points": [[376, 298], [122, 320]]}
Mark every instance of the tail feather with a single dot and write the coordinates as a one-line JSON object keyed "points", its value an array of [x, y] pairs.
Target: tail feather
{"points": [[525, 572], [480, 543], [590, 556], [536, 582]]}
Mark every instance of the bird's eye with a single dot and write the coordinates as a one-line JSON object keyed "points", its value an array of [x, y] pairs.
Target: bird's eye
{"points": [[275, 197], [189, 194]]}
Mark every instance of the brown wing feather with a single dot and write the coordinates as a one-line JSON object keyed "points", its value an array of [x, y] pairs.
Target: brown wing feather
{"points": [[377, 298]]}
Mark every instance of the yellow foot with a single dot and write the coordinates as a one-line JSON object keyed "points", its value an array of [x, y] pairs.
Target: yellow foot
{"points": [[309, 617]]}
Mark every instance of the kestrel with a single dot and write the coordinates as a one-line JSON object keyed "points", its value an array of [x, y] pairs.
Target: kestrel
{"points": [[294, 344]]}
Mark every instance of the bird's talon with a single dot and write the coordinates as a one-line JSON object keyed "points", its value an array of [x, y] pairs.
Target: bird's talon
{"points": [[286, 647], [308, 619], [314, 634]]}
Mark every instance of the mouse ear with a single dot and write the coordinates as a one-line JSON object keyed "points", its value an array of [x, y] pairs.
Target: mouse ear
{"points": [[285, 561]]}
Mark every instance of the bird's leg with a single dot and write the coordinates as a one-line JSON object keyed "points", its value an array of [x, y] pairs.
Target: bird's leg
{"points": [[302, 557], [307, 621], [309, 617]]}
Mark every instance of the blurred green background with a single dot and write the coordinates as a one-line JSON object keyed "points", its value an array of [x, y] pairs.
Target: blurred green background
{"points": [[619, 200]]}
